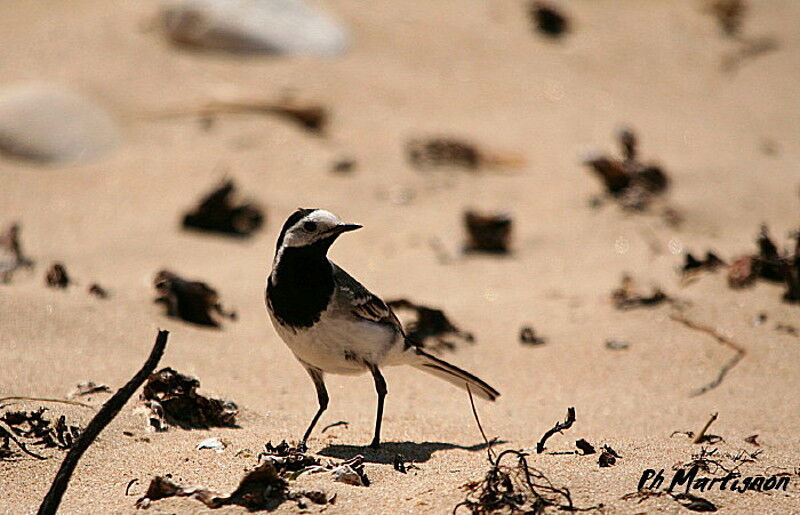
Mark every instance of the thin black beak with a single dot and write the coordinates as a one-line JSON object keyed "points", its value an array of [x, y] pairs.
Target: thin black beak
{"points": [[346, 228], [343, 227]]}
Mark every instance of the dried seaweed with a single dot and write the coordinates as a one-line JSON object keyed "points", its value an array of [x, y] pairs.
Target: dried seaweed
{"points": [[528, 336], [57, 276], [487, 232], [557, 428], [608, 457], [429, 327], [193, 301], [515, 487], [710, 263], [450, 152], [98, 291], [729, 15], [633, 184], [33, 428], [626, 297], [172, 400], [12, 258], [769, 264], [88, 388], [585, 447], [286, 458], [220, 212], [548, 20]]}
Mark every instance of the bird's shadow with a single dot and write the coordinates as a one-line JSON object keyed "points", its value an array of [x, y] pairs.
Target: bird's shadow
{"points": [[411, 451]]}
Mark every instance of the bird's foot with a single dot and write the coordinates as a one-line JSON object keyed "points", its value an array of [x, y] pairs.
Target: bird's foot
{"points": [[302, 447], [376, 444]]}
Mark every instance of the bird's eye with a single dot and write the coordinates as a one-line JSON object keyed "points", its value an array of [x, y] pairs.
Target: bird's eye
{"points": [[310, 226]]}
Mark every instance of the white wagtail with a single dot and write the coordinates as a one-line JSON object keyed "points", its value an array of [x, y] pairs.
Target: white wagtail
{"points": [[334, 324]]}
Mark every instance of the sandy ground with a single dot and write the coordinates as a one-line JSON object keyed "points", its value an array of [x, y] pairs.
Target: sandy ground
{"points": [[468, 68]]}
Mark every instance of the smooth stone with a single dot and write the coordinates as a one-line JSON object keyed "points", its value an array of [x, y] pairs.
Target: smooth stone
{"points": [[254, 26], [48, 123]]}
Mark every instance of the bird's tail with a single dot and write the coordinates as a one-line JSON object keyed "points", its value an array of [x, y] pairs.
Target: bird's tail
{"points": [[452, 374]]}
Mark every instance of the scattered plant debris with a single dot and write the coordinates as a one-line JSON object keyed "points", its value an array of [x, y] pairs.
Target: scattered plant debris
{"points": [[33, 428], [585, 447], [336, 424], [729, 14], [193, 301], [617, 344], [693, 266], [57, 276], [312, 117], [753, 440], [770, 264], [548, 19], [286, 458], [487, 232], [557, 428], [12, 258], [343, 165], [219, 212], [631, 183], [528, 336], [110, 409], [429, 327], [747, 49], [679, 316], [626, 297], [437, 152], [608, 457], [88, 388], [98, 291], [702, 436], [171, 399], [351, 472], [788, 329], [516, 487]]}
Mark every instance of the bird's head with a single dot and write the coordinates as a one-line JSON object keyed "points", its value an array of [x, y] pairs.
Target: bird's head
{"points": [[306, 227]]}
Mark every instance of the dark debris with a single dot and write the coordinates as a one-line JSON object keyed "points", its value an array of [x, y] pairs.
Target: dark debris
{"points": [[528, 336], [548, 20], [769, 264], [12, 258], [57, 276], [626, 297], [608, 457], [632, 183], [585, 447], [488, 232], [33, 428], [429, 327], [173, 400], [286, 458], [193, 301], [220, 212], [98, 291], [557, 428]]}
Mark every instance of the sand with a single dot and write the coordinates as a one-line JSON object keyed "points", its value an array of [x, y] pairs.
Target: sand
{"points": [[476, 70]]}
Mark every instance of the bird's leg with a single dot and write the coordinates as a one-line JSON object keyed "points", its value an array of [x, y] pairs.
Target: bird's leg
{"points": [[322, 397], [380, 387]]}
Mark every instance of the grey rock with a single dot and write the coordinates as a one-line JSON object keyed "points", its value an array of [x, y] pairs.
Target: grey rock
{"points": [[47, 123], [253, 26]]}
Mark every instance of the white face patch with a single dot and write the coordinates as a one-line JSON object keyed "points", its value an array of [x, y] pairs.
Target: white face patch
{"points": [[309, 229]]}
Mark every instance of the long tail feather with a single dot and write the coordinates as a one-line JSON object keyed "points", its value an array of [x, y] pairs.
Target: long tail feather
{"points": [[454, 375]]}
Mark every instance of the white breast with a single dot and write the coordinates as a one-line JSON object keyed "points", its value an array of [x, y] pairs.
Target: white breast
{"points": [[340, 344]]}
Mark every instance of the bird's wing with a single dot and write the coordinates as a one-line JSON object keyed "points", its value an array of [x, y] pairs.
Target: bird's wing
{"points": [[364, 304]]}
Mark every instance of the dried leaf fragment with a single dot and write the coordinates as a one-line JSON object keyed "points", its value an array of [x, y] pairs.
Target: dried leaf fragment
{"points": [[12, 258], [172, 400], [429, 327], [193, 301], [57, 276], [220, 212], [488, 232]]}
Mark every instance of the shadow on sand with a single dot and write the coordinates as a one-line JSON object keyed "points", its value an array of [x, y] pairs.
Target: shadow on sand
{"points": [[412, 451]]}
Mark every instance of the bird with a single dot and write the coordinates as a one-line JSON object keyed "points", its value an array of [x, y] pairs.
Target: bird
{"points": [[333, 324]]}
